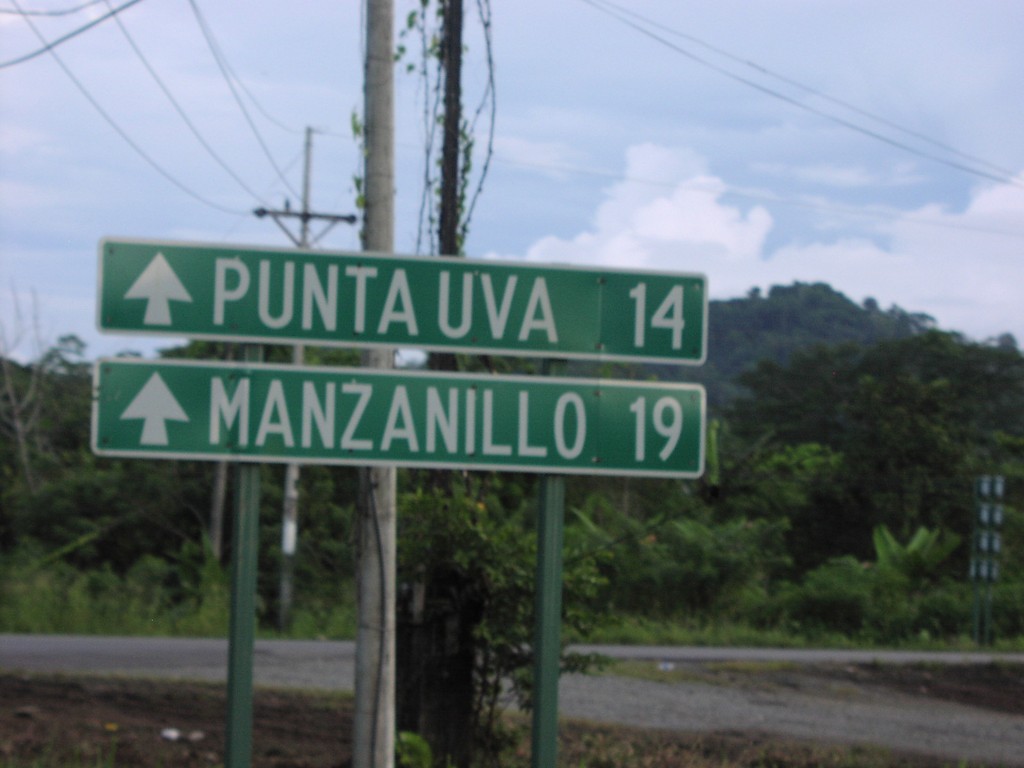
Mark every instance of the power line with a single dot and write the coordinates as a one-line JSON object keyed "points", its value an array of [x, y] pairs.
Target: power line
{"points": [[225, 71], [64, 12], [49, 46], [725, 189], [252, 97], [809, 90], [270, 188], [622, 18], [120, 131], [261, 109], [181, 112]]}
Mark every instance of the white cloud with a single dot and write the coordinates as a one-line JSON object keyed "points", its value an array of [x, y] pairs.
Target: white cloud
{"points": [[947, 264], [639, 225], [967, 268]]}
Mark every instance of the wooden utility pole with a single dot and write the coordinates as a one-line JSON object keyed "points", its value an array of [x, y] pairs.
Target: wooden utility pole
{"points": [[436, 656], [374, 727], [451, 53]]}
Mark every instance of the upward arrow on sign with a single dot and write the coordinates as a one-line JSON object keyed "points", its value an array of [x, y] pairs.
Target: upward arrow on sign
{"points": [[159, 286], [155, 405]]}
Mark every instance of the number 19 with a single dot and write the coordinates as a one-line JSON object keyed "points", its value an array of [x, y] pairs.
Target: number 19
{"points": [[667, 416]]}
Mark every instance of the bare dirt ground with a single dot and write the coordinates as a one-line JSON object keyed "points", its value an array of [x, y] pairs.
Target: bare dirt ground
{"points": [[76, 720], [89, 721]]}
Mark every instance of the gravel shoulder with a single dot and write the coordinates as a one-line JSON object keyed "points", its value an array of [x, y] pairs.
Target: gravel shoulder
{"points": [[968, 709], [959, 713]]}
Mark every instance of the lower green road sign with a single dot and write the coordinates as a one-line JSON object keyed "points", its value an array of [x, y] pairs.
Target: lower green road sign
{"points": [[268, 413]]}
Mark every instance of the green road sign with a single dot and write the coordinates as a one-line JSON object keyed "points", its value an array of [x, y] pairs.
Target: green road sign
{"points": [[355, 299], [268, 413]]}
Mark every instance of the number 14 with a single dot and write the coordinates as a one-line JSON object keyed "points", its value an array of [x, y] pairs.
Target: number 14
{"points": [[669, 315]]}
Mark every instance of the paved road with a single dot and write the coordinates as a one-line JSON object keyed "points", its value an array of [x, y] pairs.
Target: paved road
{"points": [[291, 663], [329, 664], [803, 709]]}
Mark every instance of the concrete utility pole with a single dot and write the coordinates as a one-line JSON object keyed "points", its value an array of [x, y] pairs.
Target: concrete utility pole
{"points": [[290, 512], [374, 736]]}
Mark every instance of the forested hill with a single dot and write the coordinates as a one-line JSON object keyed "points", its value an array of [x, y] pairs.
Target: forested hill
{"points": [[743, 332]]}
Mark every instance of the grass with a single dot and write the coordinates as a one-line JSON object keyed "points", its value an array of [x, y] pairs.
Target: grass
{"points": [[103, 759], [63, 601], [60, 600], [639, 630], [57, 599]]}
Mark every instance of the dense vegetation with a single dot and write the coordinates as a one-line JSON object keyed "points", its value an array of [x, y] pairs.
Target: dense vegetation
{"points": [[837, 506]]}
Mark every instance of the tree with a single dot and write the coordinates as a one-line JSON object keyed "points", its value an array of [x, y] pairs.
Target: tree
{"points": [[44, 413], [906, 452], [799, 485], [466, 556], [912, 420], [799, 402], [789, 321], [19, 413], [421, 701], [20, 396]]}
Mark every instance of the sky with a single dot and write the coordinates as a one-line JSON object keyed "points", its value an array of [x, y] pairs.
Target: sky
{"points": [[871, 145]]}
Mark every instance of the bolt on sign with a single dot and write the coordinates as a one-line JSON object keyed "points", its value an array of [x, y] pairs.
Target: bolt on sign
{"points": [[272, 413], [355, 299]]}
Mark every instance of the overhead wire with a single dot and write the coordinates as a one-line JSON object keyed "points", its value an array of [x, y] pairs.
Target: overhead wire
{"points": [[261, 109], [252, 97], [809, 89], [725, 189], [48, 46], [290, 165], [225, 71], [624, 19], [120, 131], [59, 12], [182, 114]]}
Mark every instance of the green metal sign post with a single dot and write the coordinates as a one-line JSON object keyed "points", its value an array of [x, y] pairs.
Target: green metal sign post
{"points": [[547, 643], [244, 557], [355, 299], [268, 413]]}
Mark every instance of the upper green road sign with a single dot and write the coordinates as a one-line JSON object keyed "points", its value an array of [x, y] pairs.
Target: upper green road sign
{"points": [[193, 410], [356, 299]]}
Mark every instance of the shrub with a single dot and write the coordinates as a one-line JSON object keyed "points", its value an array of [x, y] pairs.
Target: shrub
{"points": [[944, 612], [833, 597]]}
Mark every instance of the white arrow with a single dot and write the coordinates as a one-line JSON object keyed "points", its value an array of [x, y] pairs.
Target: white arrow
{"points": [[159, 286], [155, 404]]}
